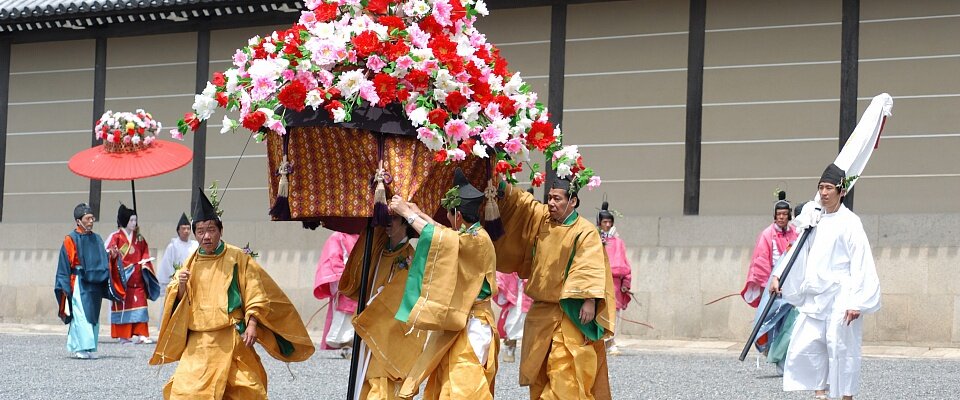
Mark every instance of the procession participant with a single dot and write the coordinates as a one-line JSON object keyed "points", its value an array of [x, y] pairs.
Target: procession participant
{"points": [[771, 245], [337, 329], [388, 349], [619, 265], [221, 303], [133, 278], [569, 279], [82, 282], [449, 287], [834, 282], [180, 247], [514, 305]]}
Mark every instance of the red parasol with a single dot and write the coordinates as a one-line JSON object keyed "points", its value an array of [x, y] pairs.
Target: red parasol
{"points": [[158, 158]]}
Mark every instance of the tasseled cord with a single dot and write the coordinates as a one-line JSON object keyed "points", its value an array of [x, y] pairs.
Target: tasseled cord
{"points": [[491, 213], [381, 215], [281, 207]]}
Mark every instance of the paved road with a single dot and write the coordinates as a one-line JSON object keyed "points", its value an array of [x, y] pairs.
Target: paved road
{"points": [[36, 366]]}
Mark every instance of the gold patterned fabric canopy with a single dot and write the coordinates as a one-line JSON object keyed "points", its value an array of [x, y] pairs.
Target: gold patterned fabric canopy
{"points": [[332, 183]]}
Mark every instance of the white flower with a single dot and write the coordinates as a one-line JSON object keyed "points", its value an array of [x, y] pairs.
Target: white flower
{"points": [[479, 150], [204, 106], [339, 114], [324, 30], [563, 170], [472, 112], [209, 91], [135, 139], [233, 80], [270, 47], [513, 86], [314, 98], [570, 152], [228, 125], [350, 82], [439, 95], [271, 69], [416, 8], [481, 8], [445, 82], [418, 116]]}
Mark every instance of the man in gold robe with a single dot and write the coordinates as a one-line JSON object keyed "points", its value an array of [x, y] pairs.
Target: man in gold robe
{"points": [[221, 303], [569, 280], [449, 287], [389, 349]]}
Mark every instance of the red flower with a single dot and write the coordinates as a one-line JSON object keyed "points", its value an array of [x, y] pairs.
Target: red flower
{"points": [[502, 167], [540, 135], [222, 99], [431, 26], [579, 166], [440, 156], [481, 93], [293, 96], [396, 50], [392, 23], [516, 169], [326, 12], [292, 49], [456, 101], [538, 179], [386, 87], [443, 49], [458, 11], [365, 43], [507, 106], [467, 145], [419, 79], [437, 116], [253, 121], [403, 95], [332, 105], [219, 80], [378, 6], [191, 120], [500, 67], [334, 93], [116, 136]]}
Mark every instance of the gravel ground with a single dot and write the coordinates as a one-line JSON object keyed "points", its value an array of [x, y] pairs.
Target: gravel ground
{"points": [[37, 366]]}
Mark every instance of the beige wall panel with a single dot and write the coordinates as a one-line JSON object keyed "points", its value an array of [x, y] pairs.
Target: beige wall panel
{"points": [[152, 81], [916, 77], [766, 160], [516, 25], [529, 59], [625, 126], [877, 9], [625, 90], [225, 42], [153, 208], [910, 38], [916, 156], [771, 84], [627, 54], [907, 195], [54, 147], [613, 163], [747, 13], [919, 116], [42, 178], [770, 121], [634, 199], [43, 208], [39, 117], [754, 197], [231, 144], [627, 18], [52, 86], [817, 43], [153, 49], [52, 55]]}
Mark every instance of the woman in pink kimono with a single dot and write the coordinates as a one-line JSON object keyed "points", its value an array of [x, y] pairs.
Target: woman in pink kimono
{"points": [[338, 329], [619, 265]]}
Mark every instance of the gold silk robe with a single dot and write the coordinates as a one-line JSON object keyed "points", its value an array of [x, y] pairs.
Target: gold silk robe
{"points": [[564, 263], [451, 281], [393, 348], [202, 330]]}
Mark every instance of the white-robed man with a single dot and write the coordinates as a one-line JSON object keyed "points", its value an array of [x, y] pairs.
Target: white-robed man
{"points": [[177, 252], [833, 283]]}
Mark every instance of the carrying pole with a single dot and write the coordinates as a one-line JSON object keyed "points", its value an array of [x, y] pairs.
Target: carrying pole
{"points": [[362, 304]]}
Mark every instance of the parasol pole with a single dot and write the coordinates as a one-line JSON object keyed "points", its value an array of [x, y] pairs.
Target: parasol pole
{"points": [[361, 305], [766, 309], [133, 189]]}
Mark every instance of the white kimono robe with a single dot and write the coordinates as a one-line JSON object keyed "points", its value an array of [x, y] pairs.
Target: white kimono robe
{"points": [[176, 253], [834, 272]]}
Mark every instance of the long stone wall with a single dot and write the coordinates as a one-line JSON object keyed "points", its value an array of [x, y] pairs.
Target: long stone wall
{"points": [[679, 264]]}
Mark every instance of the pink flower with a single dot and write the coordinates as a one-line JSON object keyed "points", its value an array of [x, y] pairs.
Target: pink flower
{"points": [[430, 65], [493, 111], [368, 92], [325, 77], [441, 11], [593, 183], [513, 146], [308, 18], [457, 129], [176, 134], [263, 87], [456, 155], [277, 126], [307, 79], [404, 62], [240, 59], [375, 64], [418, 37], [492, 135], [288, 74], [352, 56], [463, 77]]}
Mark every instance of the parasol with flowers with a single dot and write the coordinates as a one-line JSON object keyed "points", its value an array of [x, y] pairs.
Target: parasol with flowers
{"points": [[362, 97], [130, 150]]}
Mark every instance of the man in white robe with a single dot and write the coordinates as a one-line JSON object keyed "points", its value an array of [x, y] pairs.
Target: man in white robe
{"points": [[833, 282], [177, 251]]}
